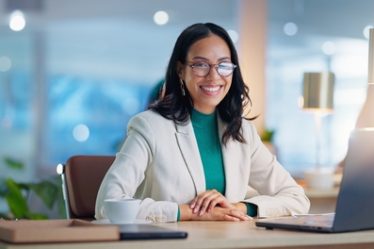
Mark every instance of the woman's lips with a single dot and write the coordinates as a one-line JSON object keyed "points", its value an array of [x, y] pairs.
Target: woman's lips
{"points": [[211, 90]]}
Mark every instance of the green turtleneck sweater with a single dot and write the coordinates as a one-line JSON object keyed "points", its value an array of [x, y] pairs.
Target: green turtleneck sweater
{"points": [[206, 132]]}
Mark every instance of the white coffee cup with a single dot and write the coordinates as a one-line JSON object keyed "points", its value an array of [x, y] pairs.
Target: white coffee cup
{"points": [[120, 211], [319, 178]]}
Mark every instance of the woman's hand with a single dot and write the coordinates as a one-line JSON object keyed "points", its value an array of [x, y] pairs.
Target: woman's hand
{"points": [[206, 201], [224, 214], [216, 214]]}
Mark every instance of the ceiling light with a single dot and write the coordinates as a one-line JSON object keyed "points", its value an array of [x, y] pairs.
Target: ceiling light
{"points": [[290, 29], [161, 17], [17, 21]]}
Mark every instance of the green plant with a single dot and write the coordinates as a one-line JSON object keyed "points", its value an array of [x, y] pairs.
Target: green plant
{"points": [[267, 135], [15, 194]]}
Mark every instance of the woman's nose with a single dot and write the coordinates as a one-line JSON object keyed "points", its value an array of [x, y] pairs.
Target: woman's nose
{"points": [[213, 73]]}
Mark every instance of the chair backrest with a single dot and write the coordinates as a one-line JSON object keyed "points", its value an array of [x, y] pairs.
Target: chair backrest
{"points": [[82, 177]]}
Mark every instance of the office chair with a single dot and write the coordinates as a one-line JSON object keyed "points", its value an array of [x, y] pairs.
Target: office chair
{"points": [[81, 178]]}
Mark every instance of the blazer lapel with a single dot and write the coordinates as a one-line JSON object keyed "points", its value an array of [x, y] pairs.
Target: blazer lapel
{"points": [[231, 163], [191, 155]]}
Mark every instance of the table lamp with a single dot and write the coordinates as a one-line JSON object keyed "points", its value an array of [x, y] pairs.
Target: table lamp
{"points": [[318, 98]]}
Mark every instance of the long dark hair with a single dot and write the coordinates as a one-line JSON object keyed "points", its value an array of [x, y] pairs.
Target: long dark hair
{"points": [[176, 106]]}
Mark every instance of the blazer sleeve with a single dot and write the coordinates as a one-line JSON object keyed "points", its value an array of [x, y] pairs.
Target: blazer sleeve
{"points": [[279, 194], [128, 172]]}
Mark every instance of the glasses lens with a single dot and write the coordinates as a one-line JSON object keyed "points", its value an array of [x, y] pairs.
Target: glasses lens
{"points": [[225, 69], [201, 69]]}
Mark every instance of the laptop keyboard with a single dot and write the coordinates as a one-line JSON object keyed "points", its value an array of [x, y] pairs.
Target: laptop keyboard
{"points": [[320, 220]]}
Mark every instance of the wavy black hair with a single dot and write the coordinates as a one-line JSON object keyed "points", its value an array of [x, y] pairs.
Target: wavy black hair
{"points": [[176, 106]]}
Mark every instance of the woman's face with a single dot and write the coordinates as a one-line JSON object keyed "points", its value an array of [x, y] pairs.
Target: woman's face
{"points": [[206, 91]]}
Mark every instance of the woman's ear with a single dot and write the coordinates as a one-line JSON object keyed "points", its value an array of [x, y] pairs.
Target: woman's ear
{"points": [[180, 70]]}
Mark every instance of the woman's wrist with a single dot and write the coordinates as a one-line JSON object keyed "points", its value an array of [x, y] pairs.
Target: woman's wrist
{"points": [[185, 212], [241, 206]]}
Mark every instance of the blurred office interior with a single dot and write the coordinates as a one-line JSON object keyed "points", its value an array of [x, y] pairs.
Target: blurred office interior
{"points": [[72, 73]]}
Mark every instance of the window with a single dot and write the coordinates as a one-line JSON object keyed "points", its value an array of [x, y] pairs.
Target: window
{"points": [[289, 56]]}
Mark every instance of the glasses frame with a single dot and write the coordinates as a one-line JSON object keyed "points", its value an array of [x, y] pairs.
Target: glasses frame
{"points": [[194, 68]]}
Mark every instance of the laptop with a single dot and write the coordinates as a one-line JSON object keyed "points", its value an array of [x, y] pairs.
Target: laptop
{"points": [[355, 203], [148, 231]]}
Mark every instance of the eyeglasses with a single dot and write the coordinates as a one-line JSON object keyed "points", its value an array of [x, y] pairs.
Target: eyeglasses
{"points": [[202, 69]]}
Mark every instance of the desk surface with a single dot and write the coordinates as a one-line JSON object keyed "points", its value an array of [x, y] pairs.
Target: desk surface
{"points": [[226, 235]]}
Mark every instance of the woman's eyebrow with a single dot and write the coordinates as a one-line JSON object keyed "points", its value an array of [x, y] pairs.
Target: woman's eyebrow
{"points": [[206, 59], [199, 58]]}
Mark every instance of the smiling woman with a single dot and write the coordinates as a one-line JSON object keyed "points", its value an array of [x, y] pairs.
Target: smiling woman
{"points": [[192, 155], [94, 63]]}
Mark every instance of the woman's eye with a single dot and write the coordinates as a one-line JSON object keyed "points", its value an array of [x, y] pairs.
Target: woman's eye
{"points": [[225, 65], [202, 65]]}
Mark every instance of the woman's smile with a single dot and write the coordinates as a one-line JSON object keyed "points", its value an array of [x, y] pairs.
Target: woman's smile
{"points": [[211, 90]]}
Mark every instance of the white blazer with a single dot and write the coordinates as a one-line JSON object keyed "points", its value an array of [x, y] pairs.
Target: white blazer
{"points": [[160, 164]]}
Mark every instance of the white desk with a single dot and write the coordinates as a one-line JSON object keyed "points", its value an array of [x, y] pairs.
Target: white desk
{"points": [[226, 235]]}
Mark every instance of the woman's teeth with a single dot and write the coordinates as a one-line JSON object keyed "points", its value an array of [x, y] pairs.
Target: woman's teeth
{"points": [[211, 88]]}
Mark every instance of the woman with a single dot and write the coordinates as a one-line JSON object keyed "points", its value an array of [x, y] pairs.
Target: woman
{"points": [[192, 155]]}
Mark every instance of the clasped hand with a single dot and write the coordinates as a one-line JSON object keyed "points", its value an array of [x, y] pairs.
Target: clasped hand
{"points": [[212, 205]]}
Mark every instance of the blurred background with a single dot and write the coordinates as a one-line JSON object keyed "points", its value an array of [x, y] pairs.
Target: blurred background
{"points": [[72, 73]]}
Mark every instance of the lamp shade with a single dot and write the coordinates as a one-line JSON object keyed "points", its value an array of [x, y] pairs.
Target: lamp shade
{"points": [[318, 92]]}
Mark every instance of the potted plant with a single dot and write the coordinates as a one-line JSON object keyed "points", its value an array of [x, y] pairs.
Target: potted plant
{"points": [[267, 137], [15, 194]]}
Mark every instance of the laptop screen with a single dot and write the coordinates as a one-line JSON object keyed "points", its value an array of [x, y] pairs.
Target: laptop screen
{"points": [[355, 204]]}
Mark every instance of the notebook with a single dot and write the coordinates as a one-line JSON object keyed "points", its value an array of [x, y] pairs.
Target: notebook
{"points": [[355, 203], [147, 231]]}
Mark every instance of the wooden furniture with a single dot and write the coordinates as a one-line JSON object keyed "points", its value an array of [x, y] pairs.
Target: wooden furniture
{"points": [[81, 178], [52, 231], [322, 201], [226, 235]]}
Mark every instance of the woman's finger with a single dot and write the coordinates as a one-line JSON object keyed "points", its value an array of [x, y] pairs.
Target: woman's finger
{"points": [[239, 214], [196, 200], [208, 201], [222, 202], [202, 201], [224, 214], [229, 217]]}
